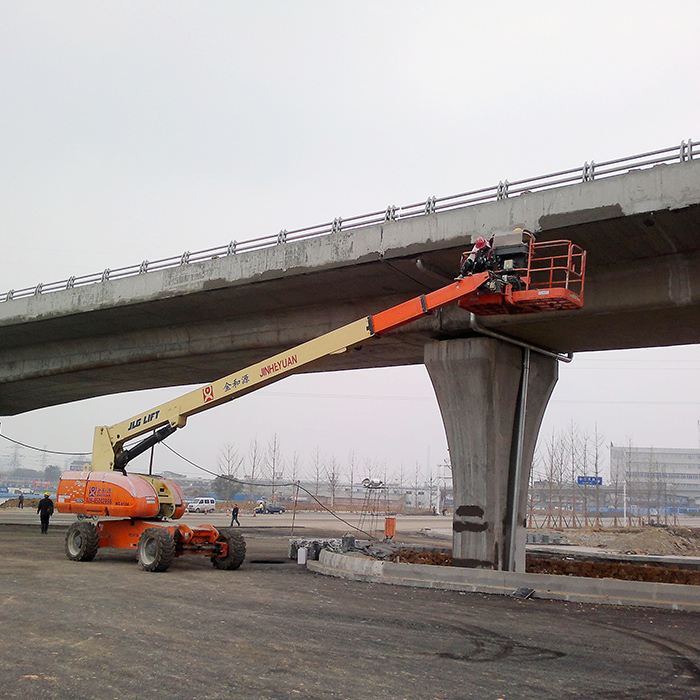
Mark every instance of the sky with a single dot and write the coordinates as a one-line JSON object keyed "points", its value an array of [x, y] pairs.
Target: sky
{"points": [[139, 130]]}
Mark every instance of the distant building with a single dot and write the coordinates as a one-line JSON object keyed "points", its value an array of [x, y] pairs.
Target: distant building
{"points": [[671, 470]]}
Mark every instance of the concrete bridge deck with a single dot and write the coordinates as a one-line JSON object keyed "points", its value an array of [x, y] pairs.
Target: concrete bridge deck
{"points": [[197, 322]]}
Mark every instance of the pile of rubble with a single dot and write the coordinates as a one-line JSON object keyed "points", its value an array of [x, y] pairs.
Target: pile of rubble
{"points": [[387, 550]]}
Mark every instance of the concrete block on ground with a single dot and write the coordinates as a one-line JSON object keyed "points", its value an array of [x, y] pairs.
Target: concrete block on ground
{"points": [[545, 586]]}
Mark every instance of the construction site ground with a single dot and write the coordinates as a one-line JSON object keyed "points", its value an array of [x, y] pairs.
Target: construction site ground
{"points": [[272, 629]]}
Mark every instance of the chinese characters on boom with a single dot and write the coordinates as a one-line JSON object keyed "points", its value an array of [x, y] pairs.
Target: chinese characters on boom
{"points": [[272, 368], [236, 383]]}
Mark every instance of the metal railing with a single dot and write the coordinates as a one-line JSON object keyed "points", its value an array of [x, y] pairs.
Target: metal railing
{"points": [[687, 151]]}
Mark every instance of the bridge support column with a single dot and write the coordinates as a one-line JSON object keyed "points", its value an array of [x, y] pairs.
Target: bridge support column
{"points": [[478, 383]]}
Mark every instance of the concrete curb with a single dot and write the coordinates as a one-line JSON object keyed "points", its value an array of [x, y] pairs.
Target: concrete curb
{"points": [[545, 586]]}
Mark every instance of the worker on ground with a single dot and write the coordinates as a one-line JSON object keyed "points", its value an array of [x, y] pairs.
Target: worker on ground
{"points": [[478, 260], [20, 500], [234, 516], [45, 511]]}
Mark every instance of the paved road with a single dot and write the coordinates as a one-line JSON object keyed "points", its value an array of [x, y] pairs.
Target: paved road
{"points": [[435, 529], [273, 630]]}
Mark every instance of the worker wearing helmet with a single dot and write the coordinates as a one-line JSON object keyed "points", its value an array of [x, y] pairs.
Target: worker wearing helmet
{"points": [[45, 511], [479, 259]]}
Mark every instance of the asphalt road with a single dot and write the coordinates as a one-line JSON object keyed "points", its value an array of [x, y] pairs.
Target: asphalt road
{"points": [[106, 629]]}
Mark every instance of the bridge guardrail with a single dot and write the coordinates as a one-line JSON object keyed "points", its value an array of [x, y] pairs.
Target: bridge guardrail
{"points": [[590, 171]]}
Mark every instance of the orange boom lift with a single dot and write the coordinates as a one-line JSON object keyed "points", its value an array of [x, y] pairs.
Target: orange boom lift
{"points": [[523, 278]]}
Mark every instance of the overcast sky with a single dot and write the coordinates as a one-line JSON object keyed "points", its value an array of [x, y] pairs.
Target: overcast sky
{"points": [[139, 130]]}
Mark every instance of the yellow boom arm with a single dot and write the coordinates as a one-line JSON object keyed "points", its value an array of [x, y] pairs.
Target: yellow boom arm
{"points": [[108, 447]]}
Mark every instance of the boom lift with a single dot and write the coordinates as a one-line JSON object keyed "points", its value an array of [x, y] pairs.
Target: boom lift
{"points": [[144, 506]]}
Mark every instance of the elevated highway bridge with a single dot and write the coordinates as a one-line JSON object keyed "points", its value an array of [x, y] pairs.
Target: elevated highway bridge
{"points": [[203, 315]]}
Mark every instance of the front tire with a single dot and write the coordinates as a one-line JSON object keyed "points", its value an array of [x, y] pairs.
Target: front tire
{"points": [[236, 550], [82, 541], [156, 549]]}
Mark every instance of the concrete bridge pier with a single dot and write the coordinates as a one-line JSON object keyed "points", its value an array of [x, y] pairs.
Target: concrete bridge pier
{"points": [[478, 383]]}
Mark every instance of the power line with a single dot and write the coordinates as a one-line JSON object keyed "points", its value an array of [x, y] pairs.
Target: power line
{"points": [[373, 397], [626, 403], [40, 449], [251, 483]]}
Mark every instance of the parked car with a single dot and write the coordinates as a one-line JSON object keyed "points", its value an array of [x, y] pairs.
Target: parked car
{"points": [[269, 508], [202, 505]]}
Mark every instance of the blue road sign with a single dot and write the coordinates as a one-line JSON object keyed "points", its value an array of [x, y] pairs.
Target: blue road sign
{"points": [[590, 480]]}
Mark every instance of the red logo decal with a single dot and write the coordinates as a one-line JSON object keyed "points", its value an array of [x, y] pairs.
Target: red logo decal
{"points": [[208, 393]]}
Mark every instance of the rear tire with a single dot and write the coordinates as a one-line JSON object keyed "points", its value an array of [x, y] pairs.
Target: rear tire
{"points": [[82, 541], [236, 550], [156, 549]]}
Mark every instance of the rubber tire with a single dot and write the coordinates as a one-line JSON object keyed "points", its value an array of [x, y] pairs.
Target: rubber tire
{"points": [[236, 550], [82, 541], [156, 549]]}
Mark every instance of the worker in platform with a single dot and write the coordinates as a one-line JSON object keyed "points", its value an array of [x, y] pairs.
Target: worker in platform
{"points": [[45, 511], [478, 259]]}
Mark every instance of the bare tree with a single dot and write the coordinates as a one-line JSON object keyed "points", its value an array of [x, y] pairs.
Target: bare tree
{"points": [[582, 457], [630, 483], [446, 468], [351, 475], [615, 475], [333, 478], [573, 448], [370, 467], [229, 462], [416, 484], [275, 466], [655, 486], [384, 472], [556, 457], [317, 468], [401, 481], [295, 467], [597, 445], [431, 483], [531, 496], [255, 463]]}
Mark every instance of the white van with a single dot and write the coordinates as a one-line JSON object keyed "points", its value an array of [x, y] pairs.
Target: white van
{"points": [[202, 505]]}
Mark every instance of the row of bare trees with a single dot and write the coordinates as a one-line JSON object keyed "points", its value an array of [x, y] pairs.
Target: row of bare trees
{"points": [[649, 492], [567, 487], [266, 463], [555, 492]]}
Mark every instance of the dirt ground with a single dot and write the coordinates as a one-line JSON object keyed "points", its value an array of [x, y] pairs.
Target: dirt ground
{"points": [[678, 542], [654, 540], [273, 630]]}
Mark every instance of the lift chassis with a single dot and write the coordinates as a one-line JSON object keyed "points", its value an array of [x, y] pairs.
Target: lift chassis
{"points": [[139, 509]]}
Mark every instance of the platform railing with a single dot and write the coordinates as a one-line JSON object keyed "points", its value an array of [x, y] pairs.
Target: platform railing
{"points": [[557, 264], [589, 172]]}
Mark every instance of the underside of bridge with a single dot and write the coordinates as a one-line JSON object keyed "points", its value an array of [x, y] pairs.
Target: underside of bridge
{"points": [[642, 290]]}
